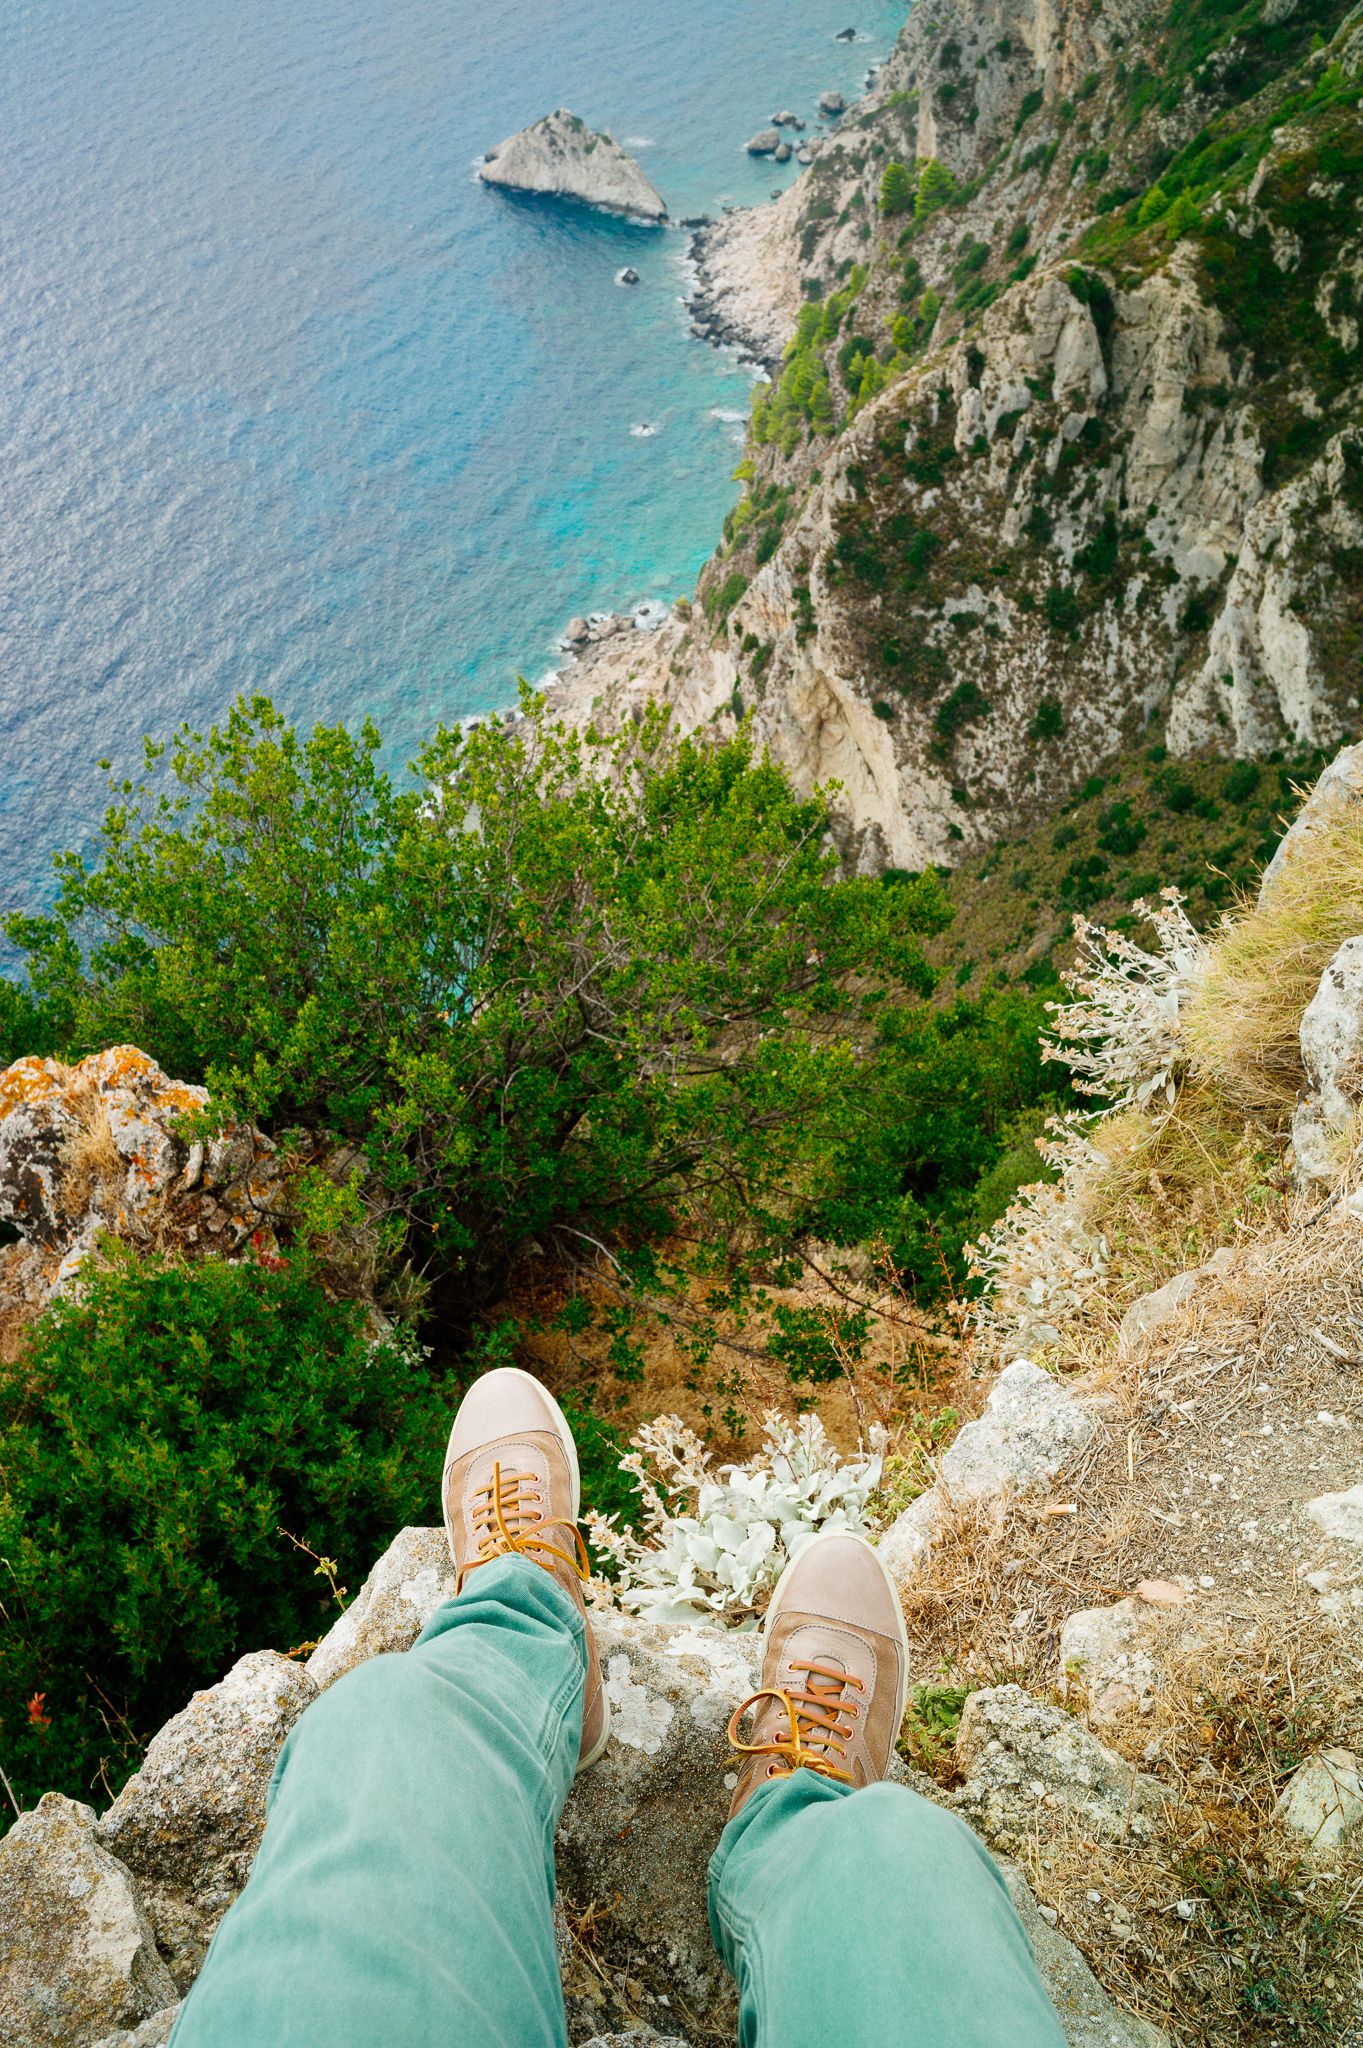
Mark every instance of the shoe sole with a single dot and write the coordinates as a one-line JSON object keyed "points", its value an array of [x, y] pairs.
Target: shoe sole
{"points": [[852, 1536], [566, 1438]]}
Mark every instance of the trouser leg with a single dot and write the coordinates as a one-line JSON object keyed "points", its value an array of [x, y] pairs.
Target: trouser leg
{"points": [[403, 1893], [870, 1918]]}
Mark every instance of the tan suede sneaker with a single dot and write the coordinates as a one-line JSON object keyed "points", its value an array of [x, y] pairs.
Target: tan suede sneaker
{"points": [[511, 1484], [835, 1670]]}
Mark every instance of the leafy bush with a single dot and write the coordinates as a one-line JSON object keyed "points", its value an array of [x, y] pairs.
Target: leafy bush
{"points": [[1047, 723], [954, 1093], [896, 189], [160, 1432], [936, 187], [548, 1004]]}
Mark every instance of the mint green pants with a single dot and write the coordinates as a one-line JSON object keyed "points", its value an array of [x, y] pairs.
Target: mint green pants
{"points": [[403, 1893]]}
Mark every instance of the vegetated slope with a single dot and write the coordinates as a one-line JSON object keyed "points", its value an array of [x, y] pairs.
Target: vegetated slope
{"points": [[1066, 455]]}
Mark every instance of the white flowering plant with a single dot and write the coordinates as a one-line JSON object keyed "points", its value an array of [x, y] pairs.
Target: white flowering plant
{"points": [[1120, 1037], [713, 1544], [1043, 1258]]}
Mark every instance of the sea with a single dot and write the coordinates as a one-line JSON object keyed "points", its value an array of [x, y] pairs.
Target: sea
{"points": [[290, 403]]}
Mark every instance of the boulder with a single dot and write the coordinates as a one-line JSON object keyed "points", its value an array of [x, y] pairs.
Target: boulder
{"points": [[629, 275], [1018, 1754], [95, 1149], [1113, 1657], [765, 143], [1340, 1515], [782, 153], [1323, 1799], [1164, 1303], [577, 633], [153, 2033], [832, 103], [1338, 786], [639, 1828], [1332, 1054], [561, 157], [77, 1953], [1032, 1425], [412, 1578], [785, 119], [188, 1825]]}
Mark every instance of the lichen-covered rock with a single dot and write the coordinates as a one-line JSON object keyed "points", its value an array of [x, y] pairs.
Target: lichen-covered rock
{"points": [[1323, 1799], [640, 1826], [1332, 1054], [1019, 1754], [1032, 1425], [635, 2037], [188, 1825], [412, 1578], [561, 157], [93, 1149], [1114, 1659], [153, 2033], [77, 1954]]}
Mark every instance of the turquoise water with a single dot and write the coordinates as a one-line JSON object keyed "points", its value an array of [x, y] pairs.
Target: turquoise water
{"points": [[290, 402]]}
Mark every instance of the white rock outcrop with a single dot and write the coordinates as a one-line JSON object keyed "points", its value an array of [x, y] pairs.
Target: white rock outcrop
{"points": [[1323, 1799], [1332, 1054], [562, 158], [412, 1578], [1032, 1425], [189, 1824], [77, 1953], [1019, 1754]]}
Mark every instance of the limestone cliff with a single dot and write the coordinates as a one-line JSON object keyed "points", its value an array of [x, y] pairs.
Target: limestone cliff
{"points": [[561, 157], [1066, 452]]}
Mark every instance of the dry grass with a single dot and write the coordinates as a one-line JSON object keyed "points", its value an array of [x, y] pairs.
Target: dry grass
{"points": [[1242, 1027], [94, 1170], [1220, 1928], [1181, 1183], [910, 1371]]}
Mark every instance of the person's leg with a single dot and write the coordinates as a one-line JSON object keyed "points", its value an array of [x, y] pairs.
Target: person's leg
{"points": [[870, 1918], [403, 1892], [850, 1910]]}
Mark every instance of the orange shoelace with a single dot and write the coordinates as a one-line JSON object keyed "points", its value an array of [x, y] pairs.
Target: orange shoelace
{"points": [[508, 1516], [820, 1724]]}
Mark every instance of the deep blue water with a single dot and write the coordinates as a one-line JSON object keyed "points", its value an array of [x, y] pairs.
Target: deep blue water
{"points": [[289, 402]]}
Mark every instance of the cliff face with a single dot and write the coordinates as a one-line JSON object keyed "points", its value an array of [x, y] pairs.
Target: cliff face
{"points": [[1067, 452], [562, 158]]}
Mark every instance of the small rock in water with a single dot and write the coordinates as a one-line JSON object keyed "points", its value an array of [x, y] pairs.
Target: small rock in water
{"points": [[832, 103], [785, 119], [845, 35], [765, 142], [627, 276], [576, 633], [783, 153], [645, 430]]}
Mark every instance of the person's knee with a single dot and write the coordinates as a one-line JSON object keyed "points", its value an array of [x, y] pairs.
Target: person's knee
{"points": [[895, 1827]]}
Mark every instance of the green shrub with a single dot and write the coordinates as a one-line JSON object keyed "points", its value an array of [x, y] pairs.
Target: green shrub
{"points": [[720, 600], [504, 983], [956, 1093], [896, 189], [936, 187], [1062, 609], [158, 1434], [1048, 721]]}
